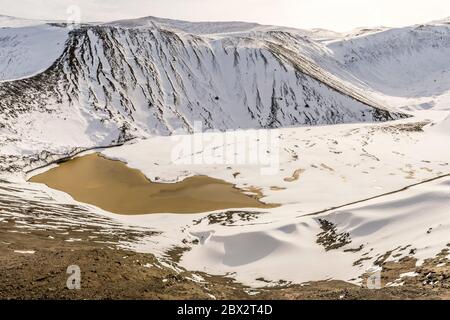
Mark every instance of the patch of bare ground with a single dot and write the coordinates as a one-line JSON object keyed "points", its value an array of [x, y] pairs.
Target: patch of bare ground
{"points": [[229, 218], [295, 176], [276, 188], [323, 165], [431, 278], [108, 272], [405, 127], [329, 238]]}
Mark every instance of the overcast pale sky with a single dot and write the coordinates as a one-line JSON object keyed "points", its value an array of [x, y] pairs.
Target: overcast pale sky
{"points": [[339, 15]]}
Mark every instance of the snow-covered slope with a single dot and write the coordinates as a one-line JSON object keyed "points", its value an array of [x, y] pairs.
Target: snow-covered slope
{"points": [[29, 50], [360, 170], [442, 127], [391, 230], [130, 79], [405, 67], [13, 22]]}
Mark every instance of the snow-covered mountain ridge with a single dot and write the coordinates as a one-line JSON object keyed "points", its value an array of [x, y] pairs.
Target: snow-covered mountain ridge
{"points": [[118, 80], [406, 68], [104, 83]]}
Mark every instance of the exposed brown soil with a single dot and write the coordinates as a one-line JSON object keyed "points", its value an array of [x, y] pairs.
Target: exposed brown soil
{"points": [[108, 272], [295, 176]]}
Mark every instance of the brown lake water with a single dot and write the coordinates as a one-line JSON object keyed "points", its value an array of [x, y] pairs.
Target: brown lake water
{"points": [[113, 186]]}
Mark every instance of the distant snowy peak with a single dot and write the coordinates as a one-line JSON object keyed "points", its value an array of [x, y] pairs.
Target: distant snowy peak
{"points": [[214, 28], [200, 28], [361, 32], [322, 34], [13, 22], [441, 21]]}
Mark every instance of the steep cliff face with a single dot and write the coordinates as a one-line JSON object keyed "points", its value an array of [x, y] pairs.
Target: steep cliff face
{"points": [[112, 82]]}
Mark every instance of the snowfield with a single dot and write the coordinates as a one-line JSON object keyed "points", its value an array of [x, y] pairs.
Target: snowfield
{"points": [[406, 67], [349, 133], [27, 51]]}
